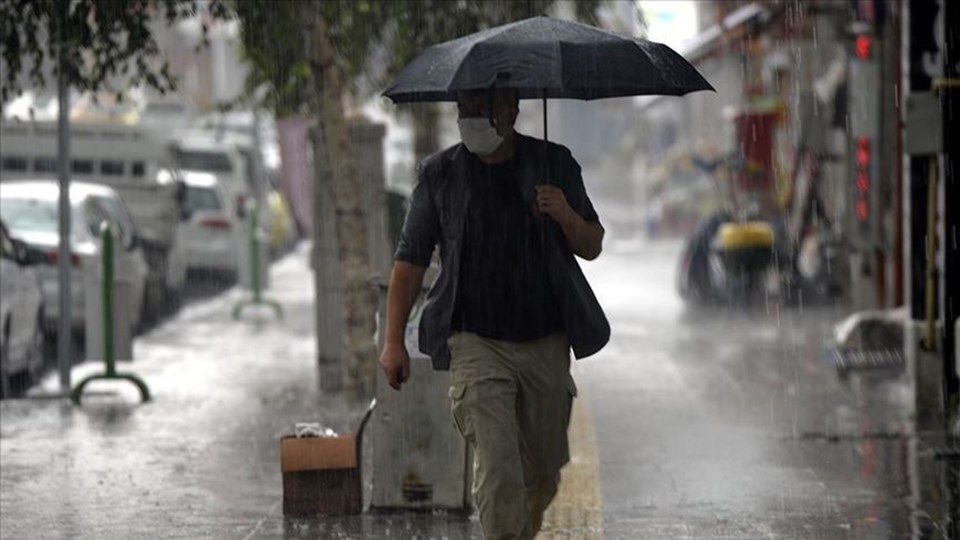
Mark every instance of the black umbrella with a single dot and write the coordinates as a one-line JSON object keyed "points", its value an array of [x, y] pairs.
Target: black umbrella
{"points": [[543, 57]]}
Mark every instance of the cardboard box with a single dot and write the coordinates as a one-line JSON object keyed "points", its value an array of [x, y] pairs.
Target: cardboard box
{"points": [[321, 475]]}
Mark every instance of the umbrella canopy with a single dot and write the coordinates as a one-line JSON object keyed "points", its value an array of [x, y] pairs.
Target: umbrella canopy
{"points": [[544, 57]]}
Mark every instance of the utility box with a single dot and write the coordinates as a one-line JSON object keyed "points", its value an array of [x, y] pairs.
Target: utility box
{"points": [[420, 461], [93, 315]]}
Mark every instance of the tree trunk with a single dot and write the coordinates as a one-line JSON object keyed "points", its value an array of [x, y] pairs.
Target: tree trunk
{"points": [[325, 262], [359, 300]]}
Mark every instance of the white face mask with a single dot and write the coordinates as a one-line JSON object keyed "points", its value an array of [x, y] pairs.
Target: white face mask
{"points": [[479, 136]]}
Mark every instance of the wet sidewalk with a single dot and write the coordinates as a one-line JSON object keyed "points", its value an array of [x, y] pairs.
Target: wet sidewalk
{"points": [[202, 459], [735, 424], [722, 426]]}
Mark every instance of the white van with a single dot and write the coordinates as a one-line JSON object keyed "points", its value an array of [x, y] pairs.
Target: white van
{"points": [[200, 151]]}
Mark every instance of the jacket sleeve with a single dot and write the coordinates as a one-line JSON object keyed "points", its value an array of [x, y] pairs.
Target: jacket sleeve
{"points": [[574, 189], [421, 228]]}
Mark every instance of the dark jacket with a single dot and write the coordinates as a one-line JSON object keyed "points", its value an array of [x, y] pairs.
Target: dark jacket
{"points": [[437, 215]]}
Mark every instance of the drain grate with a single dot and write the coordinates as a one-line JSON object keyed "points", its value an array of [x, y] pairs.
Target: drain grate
{"points": [[848, 360], [417, 491]]}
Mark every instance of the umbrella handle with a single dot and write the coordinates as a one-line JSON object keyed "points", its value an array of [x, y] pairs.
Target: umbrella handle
{"points": [[546, 149]]}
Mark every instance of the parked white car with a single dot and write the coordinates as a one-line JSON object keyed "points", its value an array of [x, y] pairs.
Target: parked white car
{"points": [[210, 231], [30, 210], [21, 311]]}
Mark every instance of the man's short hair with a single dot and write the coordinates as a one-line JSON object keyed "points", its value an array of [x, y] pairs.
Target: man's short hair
{"points": [[500, 96], [508, 96]]}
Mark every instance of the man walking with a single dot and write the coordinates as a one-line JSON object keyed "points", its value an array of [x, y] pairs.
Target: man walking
{"points": [[509, 214]]}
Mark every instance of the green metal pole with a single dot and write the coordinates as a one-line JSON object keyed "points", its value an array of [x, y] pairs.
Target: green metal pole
{"points": [[255, 284], [106, 235], [254, 261]]}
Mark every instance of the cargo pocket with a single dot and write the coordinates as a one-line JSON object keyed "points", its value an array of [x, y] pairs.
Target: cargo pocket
{"points": [[456, 393], [568, 413], [571, 385]]}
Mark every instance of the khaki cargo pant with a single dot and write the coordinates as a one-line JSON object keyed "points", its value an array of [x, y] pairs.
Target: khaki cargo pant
{"points": [[511, 402]]}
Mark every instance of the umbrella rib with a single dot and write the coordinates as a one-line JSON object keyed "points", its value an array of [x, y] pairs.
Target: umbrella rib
{"points": [[477, 39]]}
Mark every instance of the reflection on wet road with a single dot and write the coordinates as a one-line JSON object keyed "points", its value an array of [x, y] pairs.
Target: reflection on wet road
{"points": [[708, 425], [719, 424]]}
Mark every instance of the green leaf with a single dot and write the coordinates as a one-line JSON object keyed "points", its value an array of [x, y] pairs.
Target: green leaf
{"points": [[275, 36], [112, 33]]}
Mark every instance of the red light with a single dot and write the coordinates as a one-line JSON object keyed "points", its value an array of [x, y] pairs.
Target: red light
{"points": [[55, 258], [863, 46], [863, 151], [215, 223], [861, 209], [863, 181]]}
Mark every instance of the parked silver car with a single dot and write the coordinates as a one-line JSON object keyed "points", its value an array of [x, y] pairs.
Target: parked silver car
{"points": [[30, 209], [21, 311]]}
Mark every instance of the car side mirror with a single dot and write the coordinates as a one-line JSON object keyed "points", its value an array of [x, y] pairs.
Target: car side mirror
{"points": [[181, 191], [181, 197]]}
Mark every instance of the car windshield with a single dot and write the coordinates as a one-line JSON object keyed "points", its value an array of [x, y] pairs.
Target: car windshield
{"points": [[199, 198], [196, 160], [31, 215]]}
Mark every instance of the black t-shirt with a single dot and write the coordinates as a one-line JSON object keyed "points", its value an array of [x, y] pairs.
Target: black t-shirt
{"points": [[503, 292]]}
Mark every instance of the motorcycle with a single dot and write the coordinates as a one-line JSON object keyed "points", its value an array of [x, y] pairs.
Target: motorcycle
{"points": [[727, 261], [730, 256], [736, 258]]}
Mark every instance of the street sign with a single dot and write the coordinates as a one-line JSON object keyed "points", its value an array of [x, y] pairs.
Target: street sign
{"points": [[864, 129]]}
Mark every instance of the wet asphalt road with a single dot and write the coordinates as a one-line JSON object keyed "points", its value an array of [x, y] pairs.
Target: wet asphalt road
{"points": [[708, 425], [719, 424]]}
